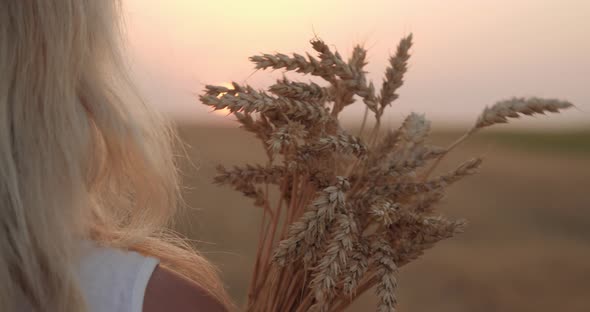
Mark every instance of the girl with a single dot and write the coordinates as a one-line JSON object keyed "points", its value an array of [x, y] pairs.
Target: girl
{"points": [[87, 176]]}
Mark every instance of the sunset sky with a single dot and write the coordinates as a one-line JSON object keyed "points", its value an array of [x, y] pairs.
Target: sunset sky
{"points": [[467, 54]]}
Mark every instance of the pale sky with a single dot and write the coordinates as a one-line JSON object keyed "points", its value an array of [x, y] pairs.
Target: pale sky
{"points": [[467, 54]]}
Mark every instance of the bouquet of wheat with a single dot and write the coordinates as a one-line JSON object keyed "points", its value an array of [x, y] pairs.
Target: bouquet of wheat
{"points": [[351, 209]]}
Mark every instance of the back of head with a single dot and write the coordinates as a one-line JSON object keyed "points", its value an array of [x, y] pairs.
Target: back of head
{"points": [[81, 157]]}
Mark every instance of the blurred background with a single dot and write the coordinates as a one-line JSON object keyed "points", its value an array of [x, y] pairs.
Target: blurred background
{"points": [[528, 243]]}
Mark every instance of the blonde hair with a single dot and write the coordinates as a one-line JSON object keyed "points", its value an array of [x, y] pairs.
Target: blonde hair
{"points": [[81, 157]]}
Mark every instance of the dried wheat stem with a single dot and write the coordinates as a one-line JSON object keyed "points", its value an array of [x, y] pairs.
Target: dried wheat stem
{"points": [[398, 191], [266, 261], [306, 304], [364, 122], [326, 274], [269, 294], [261, 237], [411, 159], [265, 244], [436, 229], [386, 273], [297, 63], [300, 289], [261, 128], [437, 161], [333, 242], [415, 128], [358, 58], [501, 111], [306, 196], [332, 61], [432, 229], [299, 90], [394, 74], [297, 292], [291, 206], [249, 100], [357, 268], [376, 156], [367, 283], [244, 185], [249, 173], [342, 144], [311, 227], [352, 77], [425, 202], [279, 289], [269, 246], [374, 136], [286, 138], [512, 108]]}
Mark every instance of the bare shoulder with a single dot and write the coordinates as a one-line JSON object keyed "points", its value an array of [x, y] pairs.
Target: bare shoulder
{"points": [[168, 291]]}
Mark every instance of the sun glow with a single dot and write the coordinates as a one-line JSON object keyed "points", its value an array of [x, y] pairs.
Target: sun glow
{"points": [[225, 111], [467, 53]]}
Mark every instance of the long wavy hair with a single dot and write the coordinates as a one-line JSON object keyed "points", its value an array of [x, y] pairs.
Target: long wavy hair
{"points": [[81, 156]]}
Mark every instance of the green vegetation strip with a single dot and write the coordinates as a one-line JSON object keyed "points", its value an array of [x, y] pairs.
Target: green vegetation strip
{"points": [[576, 142]]}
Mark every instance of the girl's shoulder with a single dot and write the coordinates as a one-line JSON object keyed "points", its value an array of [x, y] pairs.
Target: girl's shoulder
{"points": [[114, 280]]}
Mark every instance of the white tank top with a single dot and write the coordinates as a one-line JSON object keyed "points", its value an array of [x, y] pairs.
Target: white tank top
{"points": [[113, 280]]}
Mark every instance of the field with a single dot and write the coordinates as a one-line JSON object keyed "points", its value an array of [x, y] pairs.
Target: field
{"points": [[527, 247]]}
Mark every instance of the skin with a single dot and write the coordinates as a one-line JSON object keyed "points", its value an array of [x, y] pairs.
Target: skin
{"points": [[167, 291]]}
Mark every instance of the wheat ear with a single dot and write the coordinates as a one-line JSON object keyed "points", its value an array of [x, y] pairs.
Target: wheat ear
{"points": [[501, 111]]}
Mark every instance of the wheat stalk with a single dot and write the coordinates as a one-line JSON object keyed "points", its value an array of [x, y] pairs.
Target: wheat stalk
{"points": [[514, 107], [502, 110], [352, 210]]}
